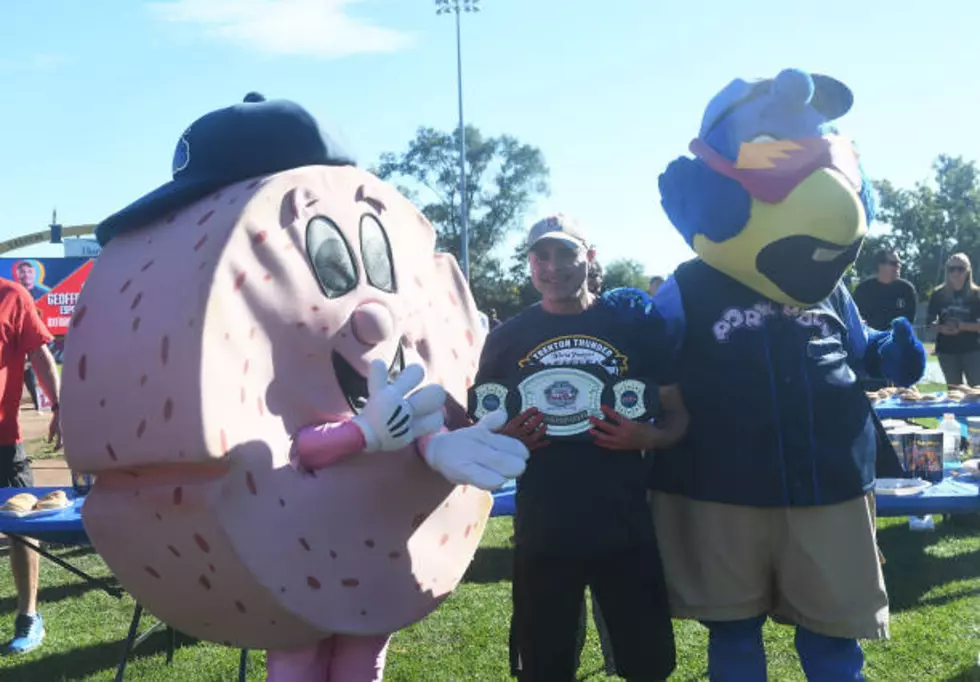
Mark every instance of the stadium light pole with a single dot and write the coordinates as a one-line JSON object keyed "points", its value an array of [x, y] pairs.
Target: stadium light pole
{"points": [[457, 7]]}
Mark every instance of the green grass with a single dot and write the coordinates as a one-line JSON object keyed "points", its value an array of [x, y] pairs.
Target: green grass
{"points": [[933, 579], [39, 448]]}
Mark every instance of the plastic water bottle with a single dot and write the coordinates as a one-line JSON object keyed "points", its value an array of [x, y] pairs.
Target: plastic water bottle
{"points": [[952, 432]]}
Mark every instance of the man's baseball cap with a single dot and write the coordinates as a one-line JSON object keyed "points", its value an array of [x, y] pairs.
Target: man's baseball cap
{"points": [[247, 140], [559, 227]]}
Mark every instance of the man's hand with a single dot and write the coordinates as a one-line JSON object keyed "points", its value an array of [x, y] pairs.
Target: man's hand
{"points": [[47, 376], [389, 420], [619, 433], [529, 428], [54, 429], [476, 455]]}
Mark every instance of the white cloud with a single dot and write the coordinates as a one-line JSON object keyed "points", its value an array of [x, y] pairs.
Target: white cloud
{"points": [[322, 28]]}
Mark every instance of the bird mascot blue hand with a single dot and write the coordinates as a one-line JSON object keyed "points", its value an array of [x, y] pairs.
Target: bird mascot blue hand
{"points": [[901, 358]]}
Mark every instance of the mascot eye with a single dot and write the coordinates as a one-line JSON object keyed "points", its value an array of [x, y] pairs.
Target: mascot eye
{"points": [[376, 252], [331, 257], [763, 138]]}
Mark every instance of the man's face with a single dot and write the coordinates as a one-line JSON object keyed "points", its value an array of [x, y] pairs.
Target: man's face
{"points": [[558, 270], [889, 269], [25, 275]]}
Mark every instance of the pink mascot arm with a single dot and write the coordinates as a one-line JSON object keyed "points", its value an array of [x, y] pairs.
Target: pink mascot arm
{"points": [[422, 444], [318, 447]]}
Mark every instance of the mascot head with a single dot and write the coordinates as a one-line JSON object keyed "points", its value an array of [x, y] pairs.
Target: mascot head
{"points": [[775, 197]]}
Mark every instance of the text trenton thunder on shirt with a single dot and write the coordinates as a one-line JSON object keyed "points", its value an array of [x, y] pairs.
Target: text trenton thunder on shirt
{"points": [[576, 497]]}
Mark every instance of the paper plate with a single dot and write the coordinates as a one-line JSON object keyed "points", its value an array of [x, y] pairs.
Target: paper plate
{"points": [[33, 513], [901, 486]]}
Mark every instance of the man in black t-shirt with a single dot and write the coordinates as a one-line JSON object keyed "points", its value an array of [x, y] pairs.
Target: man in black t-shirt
{"points": [[886, 296], [581, 517]]}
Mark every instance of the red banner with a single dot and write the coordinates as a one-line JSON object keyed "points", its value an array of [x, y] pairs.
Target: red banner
{"points": [[57, 305]]}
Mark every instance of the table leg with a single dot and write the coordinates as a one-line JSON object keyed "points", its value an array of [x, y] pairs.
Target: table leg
{"points": [[128, 646], [243, 665], [171, 644], [102, 584], [156, 627]]}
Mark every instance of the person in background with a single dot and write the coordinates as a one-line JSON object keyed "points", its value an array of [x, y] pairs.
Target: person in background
{"points": [[23, 337], [27, 275], [30, 380], [954, 310], [580, 518], [655, 283], [494, 321], [886, 296], [594, 278]]}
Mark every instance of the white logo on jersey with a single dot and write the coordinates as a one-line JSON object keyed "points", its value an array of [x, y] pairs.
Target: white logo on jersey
{"points": [[754, 318]]}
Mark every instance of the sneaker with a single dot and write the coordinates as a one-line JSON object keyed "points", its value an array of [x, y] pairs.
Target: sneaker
{"points": [[28, 634]]}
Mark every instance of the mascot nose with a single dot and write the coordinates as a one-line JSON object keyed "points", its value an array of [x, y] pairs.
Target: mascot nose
{"points": [[372, 323], [794, 88]]}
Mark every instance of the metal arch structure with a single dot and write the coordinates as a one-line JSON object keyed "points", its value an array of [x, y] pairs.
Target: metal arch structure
{"points": [[45, 237]]}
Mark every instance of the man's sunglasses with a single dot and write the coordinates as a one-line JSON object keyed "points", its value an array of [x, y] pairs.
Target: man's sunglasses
{"points": [[893, 263]]}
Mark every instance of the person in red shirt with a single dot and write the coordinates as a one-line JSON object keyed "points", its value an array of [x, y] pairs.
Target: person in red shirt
{"points": [[23, 336]]}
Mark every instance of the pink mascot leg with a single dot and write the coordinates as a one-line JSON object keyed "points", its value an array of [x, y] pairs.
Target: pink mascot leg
{"points": [[309, 664], [359, 659], [339, 658]]}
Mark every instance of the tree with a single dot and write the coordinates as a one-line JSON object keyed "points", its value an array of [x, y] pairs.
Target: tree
{"points": [[625, 272], [929, 222], [503, 179]]}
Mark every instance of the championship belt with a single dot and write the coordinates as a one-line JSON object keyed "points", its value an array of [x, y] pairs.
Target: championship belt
{"points": [[567, 397]]}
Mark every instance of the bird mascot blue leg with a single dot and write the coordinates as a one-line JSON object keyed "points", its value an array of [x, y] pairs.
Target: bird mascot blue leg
{"points": [[829, 659], [735, 650]]}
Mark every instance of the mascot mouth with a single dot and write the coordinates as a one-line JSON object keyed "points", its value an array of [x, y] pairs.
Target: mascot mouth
{"points": [[354, 386], [806, 268]]}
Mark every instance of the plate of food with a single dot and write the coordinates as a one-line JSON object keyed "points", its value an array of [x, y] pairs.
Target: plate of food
{"points": [[901, 486], [26, 505], [968, 471]]}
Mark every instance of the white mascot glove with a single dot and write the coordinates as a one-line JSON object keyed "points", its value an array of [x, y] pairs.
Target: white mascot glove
{"points": [[389, 420], [476, 455]]}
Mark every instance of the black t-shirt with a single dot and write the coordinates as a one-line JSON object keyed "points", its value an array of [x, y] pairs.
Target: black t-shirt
{"points": [[962, 306], [575, 497], [881, 303]]}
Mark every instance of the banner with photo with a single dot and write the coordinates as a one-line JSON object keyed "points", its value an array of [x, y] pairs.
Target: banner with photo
{"points": [[53, 283]]}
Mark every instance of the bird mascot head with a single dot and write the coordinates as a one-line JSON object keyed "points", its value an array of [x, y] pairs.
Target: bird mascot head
{"points": [[775, 197]]}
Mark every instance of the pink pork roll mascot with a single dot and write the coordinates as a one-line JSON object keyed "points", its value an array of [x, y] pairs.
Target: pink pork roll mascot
{"points": [[242, 378]]}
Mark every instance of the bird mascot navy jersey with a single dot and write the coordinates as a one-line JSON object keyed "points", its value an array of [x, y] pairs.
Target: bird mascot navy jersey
{"points": [[766, 507]]}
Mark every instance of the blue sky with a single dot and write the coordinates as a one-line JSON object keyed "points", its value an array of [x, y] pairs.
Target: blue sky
{"points": [[96, 93]]}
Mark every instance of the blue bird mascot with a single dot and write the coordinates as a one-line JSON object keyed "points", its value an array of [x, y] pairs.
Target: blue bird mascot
{"points": [[766, 507]]}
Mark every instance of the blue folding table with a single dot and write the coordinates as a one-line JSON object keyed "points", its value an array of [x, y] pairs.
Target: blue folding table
{"points": [[893, 408], [952, 496], [65, 527]]}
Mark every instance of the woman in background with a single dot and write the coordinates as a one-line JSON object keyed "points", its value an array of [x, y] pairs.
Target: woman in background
{"points": [[954, 310]]}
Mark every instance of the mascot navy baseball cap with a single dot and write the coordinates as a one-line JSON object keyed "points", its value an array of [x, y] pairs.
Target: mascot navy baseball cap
{"points": [[830, 97], [247, 140]]}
